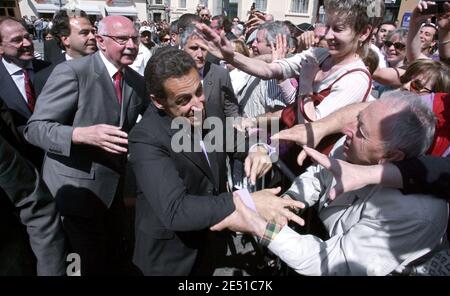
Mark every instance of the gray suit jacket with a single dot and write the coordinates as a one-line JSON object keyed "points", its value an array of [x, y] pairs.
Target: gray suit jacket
{"points": [[218, 102], [80, 93]]}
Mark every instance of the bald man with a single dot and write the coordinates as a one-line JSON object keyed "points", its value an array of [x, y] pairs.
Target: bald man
{"points": [[82, 119]]}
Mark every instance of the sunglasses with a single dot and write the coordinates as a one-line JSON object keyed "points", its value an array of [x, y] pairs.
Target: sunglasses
{"points": [[397, 45], [417, 87]]}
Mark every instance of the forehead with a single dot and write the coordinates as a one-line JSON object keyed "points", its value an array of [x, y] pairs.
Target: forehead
{"points": [[387, 27], [10, 29], [121, 28], [396, 38], [372, 117], [430, 30], [186, 84], [80, 22], [194, 40]]}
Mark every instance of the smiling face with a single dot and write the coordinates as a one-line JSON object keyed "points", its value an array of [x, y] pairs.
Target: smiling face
{"points": [[118, 27], [81, 40], [16, 44], [396, 50], [384, 30], [341, 38], [184, 98], [260, 45], [427, 37]]}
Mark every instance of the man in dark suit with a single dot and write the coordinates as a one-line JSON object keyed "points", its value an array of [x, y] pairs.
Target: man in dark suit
{"points": [[180, 193], [75, 36], [18, 69], [81, 120], [214, 78]]}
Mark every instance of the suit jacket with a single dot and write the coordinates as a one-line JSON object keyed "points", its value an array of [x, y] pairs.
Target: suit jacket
{"points": [[80, 93], [12, 96], [216, 82], [52, 52], [19, 111], [20, 184], [42, 76], [179, 197]]}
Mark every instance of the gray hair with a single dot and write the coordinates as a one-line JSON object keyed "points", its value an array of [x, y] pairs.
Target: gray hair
{"points": [[402, 33], [410, 127], [187, 33], [274, 29]]}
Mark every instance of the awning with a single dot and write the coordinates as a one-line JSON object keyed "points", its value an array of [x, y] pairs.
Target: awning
{"points": [[45, 7], [121, 10], [90, 9]]}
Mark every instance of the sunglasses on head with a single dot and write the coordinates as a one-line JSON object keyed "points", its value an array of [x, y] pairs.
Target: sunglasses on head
{"points": [[417, 87], [397, 45]]}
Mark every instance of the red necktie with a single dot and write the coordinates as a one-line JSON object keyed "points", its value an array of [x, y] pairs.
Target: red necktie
{"points": [[118, 86], [29, 90]]}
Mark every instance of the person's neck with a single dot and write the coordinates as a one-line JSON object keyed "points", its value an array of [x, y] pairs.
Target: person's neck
{"points": [[341, 61]]}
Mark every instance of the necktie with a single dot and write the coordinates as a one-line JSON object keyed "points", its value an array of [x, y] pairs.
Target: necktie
{"points": [[29, 90], [118, 86]]}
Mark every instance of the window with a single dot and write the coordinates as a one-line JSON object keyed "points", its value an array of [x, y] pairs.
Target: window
{"points": [[299, 6], [261, 5], [158, 2], [182, 3]]}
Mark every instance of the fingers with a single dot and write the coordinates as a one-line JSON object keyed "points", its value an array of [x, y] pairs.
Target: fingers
{"points": [[286, 135], [274, 191], [318, 157], [248, 166], [296, 219], [301, 157], [218, 227]]}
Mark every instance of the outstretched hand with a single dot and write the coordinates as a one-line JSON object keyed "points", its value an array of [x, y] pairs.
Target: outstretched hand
{"points": [[218, 45]]}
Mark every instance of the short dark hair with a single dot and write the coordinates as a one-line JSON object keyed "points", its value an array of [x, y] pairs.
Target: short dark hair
{"points": [[61, 25], [223, 22], [8, 18], [165, 64], [186, 20]]}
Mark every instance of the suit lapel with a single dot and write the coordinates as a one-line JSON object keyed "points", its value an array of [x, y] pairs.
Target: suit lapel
{"points": [[103, 77], [11, 94], [198, 158]]}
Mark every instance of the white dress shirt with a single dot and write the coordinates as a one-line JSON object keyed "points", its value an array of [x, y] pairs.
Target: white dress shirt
{"points": [[18, 76]]}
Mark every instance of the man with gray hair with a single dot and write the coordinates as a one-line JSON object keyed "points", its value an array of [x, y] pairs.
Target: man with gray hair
{"points": [[373, 230], [215, 79]]}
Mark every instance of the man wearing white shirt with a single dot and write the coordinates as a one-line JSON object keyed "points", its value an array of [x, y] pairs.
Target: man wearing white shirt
{"points": [[144, 53], [373, 230]]}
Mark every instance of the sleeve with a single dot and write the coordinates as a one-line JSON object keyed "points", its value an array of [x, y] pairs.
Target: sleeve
{"points": [[348, 90], [370, 247], [166, 191], [426, 174], [307, 187], [292, 66], [48, 127], [28, 193], [231, 107]]}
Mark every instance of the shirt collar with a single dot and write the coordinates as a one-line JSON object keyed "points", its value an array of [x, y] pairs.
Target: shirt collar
{"points": [[109, 66], [68, 57], [13, 68]]}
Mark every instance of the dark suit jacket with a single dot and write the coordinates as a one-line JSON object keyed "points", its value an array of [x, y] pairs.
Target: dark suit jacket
{"points": [[80, 93], [179, 197], [217, 102], [21, 186], [18, 108], [52, 52]]}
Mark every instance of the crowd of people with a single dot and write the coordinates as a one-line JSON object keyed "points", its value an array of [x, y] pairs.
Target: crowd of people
{"points": [[338, 164]]}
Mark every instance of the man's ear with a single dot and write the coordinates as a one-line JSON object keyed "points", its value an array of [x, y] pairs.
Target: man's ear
{"points": [[392, 155], [65, 41], [156, 102]]}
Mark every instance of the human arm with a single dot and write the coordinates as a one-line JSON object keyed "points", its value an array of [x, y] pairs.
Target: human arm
{"points": [[388, 76], [222, 48], [413, 44], [50, 126], [443, 21]]}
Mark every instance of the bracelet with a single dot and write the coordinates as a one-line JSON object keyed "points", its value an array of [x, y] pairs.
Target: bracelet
{"points": [[444, 42], [272, 229]]}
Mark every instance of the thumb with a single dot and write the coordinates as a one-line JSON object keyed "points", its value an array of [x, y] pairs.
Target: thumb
{"points": [[318, 157], [218, 227], [274, 190]]}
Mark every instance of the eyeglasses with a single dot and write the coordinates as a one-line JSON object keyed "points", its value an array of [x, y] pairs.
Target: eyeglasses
{"points": [[417, 87], [397, 45], [166, 39], [204, 15], [122, 40]]}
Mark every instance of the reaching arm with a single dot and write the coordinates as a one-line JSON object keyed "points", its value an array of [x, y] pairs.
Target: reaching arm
{"points": [[444, 35], [413, 44], [220, 47]]}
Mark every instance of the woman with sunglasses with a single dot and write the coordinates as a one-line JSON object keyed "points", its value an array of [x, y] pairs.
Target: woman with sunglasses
{"points": [[395, 48]]}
